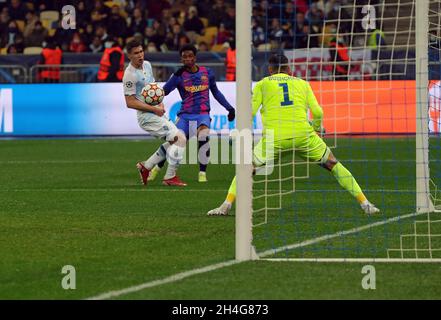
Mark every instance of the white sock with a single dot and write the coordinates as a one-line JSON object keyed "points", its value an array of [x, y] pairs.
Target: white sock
{"points": [[157, 157], [171, 171], [365, 203], [175, 154]]}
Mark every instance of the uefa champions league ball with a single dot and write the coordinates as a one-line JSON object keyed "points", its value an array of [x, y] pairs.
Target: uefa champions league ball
{"points": [[153, 94]]}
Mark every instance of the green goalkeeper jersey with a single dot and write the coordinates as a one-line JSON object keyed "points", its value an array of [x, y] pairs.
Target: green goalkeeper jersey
{"points": [[285, 101]]}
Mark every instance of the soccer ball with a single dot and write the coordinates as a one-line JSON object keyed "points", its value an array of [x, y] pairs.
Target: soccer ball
{"points": [[153, 94]]}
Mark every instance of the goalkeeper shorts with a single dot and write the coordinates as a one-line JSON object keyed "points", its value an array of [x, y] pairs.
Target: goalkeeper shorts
{"points": [[310, 148]]}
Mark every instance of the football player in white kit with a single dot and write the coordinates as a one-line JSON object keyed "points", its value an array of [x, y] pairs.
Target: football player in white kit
{"points": [[152, 118]]}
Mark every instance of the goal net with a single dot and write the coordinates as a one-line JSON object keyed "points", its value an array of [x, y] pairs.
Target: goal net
{"points": [[374, 67]]}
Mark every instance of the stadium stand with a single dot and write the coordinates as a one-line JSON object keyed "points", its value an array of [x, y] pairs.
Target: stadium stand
{"points": [[165, 25]]}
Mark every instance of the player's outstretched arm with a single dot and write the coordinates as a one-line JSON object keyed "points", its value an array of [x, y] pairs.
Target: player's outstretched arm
{"points": [[220, 97], [171, 84], [134, 103], [316, 110], [257, 98]]}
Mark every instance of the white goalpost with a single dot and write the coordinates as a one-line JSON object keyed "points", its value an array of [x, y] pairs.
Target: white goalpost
{"points": [[423, 201], [382, 120], [244, 121]]}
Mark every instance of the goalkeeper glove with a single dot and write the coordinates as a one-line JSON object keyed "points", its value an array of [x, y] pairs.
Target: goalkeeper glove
{"points": [[321, 131], [231, 114]]}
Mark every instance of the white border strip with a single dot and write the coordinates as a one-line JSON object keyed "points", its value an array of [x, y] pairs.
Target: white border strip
{"points": [[173, 278]]}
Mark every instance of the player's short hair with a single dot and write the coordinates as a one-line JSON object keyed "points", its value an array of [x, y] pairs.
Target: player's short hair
{"points": [[188, 47], [133, 44], [278, 61]]}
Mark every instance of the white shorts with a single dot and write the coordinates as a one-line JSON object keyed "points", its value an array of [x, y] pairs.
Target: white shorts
{"points": [[160, 127]]}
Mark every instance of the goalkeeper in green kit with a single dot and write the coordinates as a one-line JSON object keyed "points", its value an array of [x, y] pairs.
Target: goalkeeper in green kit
{"points": [[284, 101]]}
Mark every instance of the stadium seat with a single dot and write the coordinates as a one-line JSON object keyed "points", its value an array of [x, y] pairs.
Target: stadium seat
{"points": [[219, 48], [208, 36], [210, 32], [20, 25], [32, 50], [110, 4], [123, 13], [47, 24], [200, 39], [204, 21], [51, 15], [48, 17], [30, 6]]}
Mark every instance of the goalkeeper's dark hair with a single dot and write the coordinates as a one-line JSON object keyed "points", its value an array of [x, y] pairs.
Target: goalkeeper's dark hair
{"points": [[132, 44], [278, 61], [188, 47]]}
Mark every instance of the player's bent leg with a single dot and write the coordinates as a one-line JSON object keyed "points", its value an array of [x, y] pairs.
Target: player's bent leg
{"points": [[225, 207], [162, 127], [174, 157], [203, 151], [260, 154], [347, 181], [315, 149], [158, 156], [146, 168], [265, 153], [176, 151], [159, 127]]}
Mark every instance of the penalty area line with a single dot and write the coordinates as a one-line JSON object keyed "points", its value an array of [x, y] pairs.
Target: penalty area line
{"points": [[170, 279], [186, 274]]}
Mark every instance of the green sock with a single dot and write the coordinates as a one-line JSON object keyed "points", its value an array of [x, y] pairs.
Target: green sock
{"points": [[347, 181]]}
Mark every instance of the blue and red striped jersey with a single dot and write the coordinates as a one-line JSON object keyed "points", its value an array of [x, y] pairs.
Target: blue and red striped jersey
{"points": [[194, 90]]}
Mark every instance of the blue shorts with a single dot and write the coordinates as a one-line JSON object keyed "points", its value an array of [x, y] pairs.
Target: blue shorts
{"points": [[189, 123]]}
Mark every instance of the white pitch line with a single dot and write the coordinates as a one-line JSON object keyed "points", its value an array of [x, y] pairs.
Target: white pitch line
{"points": [[186, 274], [173, 278]]}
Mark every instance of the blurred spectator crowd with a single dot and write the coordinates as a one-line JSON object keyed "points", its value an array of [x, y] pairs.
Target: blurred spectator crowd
{"points": [[166, 25]]}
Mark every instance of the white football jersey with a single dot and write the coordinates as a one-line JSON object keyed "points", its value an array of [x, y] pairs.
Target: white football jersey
{"points": [[135, 79]]}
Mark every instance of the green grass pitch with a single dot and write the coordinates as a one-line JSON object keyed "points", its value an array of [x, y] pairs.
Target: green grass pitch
{"points": [[80, 203]]}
